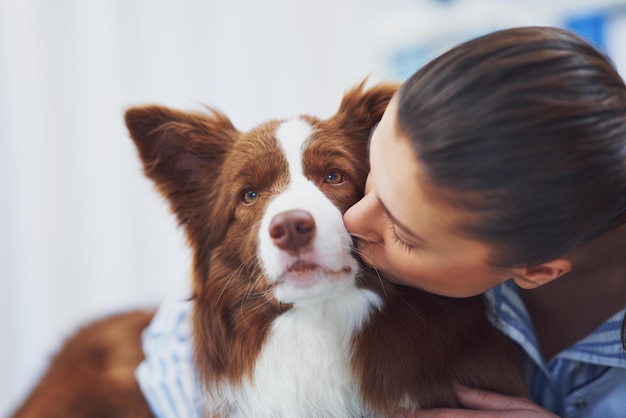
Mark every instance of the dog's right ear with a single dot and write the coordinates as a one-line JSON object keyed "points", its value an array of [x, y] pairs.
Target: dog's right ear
{"points": [[363, 107], [181, 152]]}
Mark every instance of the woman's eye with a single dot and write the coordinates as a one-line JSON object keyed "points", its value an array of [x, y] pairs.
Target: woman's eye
{"points": [[334, 177], [249, 197], [396, 239]]}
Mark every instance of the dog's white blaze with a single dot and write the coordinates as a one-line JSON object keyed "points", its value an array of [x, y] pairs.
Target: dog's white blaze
{"points": [[304, 368], [331, 242], [292, 135]]}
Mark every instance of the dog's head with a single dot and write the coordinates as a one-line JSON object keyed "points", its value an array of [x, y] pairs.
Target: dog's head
{"points": [[263, 207], [257, 208]]}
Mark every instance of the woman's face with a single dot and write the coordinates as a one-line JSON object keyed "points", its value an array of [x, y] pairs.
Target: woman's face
{"points": [[405, 229]]}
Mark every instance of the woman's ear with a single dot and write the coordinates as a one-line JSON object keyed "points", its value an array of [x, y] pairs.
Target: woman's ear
{"points": [[534, 276]]}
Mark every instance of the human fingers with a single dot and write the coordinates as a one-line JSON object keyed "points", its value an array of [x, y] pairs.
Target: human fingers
{"points": [[453, 413], [482, 400], [468, 413], [482, 404]]}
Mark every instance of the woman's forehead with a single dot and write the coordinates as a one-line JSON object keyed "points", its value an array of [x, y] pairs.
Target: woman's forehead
{"points": [[400, 181]]}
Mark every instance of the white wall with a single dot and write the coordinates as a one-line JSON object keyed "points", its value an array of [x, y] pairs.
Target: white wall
{"points": [[82, 233]]}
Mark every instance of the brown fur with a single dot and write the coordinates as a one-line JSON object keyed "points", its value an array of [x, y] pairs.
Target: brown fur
{"points": [[418, 343], [93, 375], [422, 344]]}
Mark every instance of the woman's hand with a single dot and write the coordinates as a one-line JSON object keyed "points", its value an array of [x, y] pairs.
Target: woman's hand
{"points": [[484, 404]]}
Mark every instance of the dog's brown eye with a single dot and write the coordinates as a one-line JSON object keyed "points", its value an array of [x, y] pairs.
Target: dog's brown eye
{"points": [[249, 197], [335, 177]]}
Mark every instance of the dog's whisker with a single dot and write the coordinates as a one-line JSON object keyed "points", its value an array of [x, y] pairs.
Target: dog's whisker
{"points": [[362, 238], [380, 279], [233, 274]]}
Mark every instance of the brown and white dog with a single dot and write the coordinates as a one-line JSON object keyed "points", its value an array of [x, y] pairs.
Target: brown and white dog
{"points": [[286, 322]]}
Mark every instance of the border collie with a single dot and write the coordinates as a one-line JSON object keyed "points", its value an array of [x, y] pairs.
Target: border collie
{"points": [[286, 321]]}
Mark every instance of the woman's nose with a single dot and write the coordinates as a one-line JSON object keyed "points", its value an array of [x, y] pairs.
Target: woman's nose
{"points": [[363, 218]]}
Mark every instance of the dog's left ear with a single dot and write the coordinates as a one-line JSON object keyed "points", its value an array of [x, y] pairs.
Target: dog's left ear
{"points": [[363, 108]]}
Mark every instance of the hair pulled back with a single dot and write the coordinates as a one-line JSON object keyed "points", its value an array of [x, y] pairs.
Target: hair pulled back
{"points": [[526, 129]]}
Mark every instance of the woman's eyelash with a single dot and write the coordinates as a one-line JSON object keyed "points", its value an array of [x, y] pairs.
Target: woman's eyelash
{"points": [[397, 240]]}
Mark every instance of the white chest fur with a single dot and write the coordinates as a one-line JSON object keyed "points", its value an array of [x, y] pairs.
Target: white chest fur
{"points": [[304, 368]]}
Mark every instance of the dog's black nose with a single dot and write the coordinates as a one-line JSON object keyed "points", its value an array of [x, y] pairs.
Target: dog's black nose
{"points": [[292, 230]]}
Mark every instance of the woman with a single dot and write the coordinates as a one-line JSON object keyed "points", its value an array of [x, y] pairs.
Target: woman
{"points": [[505, 157]]}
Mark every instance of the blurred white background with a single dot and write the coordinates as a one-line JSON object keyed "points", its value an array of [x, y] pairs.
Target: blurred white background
{"points": [[82, 233]]}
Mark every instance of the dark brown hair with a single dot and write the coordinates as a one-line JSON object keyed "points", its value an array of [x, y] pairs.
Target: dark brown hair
{"points": [[526, 128], [529, 124]]}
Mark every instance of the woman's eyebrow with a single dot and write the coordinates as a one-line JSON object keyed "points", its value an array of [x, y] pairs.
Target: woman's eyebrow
{"points": [[400, 226]]}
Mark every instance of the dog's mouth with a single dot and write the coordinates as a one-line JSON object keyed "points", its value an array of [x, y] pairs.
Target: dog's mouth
{"points": [[302, 266], [305, 274]]}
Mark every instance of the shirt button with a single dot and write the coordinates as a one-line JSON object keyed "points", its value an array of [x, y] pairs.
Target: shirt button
{"points": [[580, 404]]}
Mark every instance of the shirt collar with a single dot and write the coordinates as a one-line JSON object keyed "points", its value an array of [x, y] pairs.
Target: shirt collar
{"points": [[603, 346]]}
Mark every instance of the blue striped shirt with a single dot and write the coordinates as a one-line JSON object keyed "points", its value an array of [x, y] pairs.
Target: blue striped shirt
{"points": [[166, 376], [587, 380]]}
